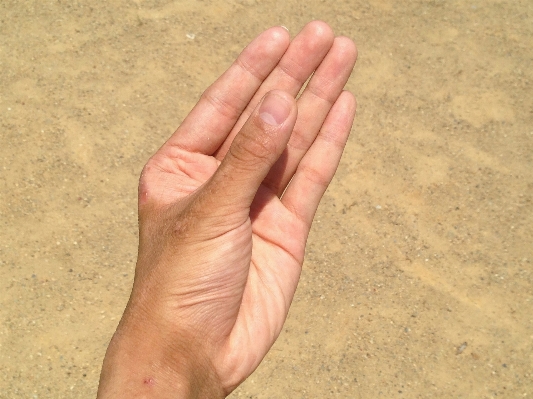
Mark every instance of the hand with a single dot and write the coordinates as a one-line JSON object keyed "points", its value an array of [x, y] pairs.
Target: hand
{"points": [[225, 207]]}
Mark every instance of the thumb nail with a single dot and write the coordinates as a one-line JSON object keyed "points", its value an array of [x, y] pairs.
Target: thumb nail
{"points": [[274, 109]]}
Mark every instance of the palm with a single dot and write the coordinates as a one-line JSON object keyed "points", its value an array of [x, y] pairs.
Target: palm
{"points": [[272, 229], [277, 235]]}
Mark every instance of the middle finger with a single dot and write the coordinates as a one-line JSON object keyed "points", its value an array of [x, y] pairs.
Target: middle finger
{"points": [[314, 105]]}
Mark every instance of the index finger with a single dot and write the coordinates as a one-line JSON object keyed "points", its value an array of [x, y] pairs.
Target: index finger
{"points": [[220, 106]]}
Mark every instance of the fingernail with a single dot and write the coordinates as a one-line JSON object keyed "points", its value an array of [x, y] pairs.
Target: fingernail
{"points": [[274, 110], [284, 27]]}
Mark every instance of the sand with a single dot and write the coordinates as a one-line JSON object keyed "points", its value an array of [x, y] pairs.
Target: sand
{"points": [[418, 278]]}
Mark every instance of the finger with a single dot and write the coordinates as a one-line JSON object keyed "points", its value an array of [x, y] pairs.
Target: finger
{"points": [[313, 106], [305, 53], [217, 111], [316, 169], [253, 152]]}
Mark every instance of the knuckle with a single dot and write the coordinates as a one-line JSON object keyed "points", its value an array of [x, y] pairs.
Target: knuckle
{"points": [[220, 104], [252, 149], [315, 176]]}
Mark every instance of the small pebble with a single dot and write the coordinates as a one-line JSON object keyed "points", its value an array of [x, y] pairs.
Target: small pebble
{"points": [[461, 348]]}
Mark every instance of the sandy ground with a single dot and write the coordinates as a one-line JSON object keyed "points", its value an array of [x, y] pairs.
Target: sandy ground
{"points": [[418, 279]]}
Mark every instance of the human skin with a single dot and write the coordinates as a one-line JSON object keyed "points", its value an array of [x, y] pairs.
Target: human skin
{"points": [[225, 208]]}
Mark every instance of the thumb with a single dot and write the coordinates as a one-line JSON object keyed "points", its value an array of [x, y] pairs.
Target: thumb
{"points": [[254, 151]]}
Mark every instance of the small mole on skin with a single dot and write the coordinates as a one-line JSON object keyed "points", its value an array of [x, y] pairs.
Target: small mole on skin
{"points": [[143, 197], [149, 381]]}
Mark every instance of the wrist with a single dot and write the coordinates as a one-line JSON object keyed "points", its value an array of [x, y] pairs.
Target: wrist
{"points": [[145, 361]]}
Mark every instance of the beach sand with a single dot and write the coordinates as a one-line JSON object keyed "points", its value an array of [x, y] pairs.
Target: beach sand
{"points": [[418, 278]]}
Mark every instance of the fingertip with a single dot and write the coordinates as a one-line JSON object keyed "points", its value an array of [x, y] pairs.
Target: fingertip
{"points": [[320, 29], [264, 52], [317, 35], [349, 97], [348, 102], [277, 34], [347, 46]]}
